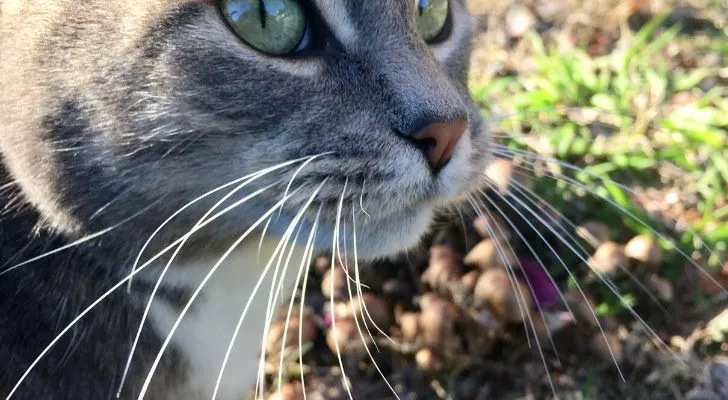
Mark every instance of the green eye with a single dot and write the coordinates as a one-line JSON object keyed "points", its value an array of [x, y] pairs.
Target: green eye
{"points": [[271, 26], [432, 16]]}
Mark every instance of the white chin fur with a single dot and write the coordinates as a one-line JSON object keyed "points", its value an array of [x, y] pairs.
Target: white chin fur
{"points": [[205, 332]]}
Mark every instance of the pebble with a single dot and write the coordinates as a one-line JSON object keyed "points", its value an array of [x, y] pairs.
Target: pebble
{"points": [[645, 249], [519, 20], [608, 259], [491, 253], [496, 289]]}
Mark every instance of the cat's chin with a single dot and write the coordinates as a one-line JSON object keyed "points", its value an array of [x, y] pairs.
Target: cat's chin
{"points": [[374, 239]]}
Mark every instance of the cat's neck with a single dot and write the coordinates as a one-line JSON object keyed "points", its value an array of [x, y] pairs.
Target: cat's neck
{"points": [[215, 316]]}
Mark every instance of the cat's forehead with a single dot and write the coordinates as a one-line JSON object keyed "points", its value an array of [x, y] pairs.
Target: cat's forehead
{"points": [[350, 19]]}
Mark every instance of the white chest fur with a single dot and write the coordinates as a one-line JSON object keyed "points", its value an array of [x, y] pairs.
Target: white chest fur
{"points": [[206, 331]]}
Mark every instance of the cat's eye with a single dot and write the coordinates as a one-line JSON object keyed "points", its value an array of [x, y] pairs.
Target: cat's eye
{"points": [[432, 17], [275, 27]]}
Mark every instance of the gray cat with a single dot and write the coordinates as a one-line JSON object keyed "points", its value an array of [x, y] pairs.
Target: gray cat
{"points": [[116, 115]]}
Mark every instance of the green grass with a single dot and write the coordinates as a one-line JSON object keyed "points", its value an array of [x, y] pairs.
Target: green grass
{"points": [[625, 116]]}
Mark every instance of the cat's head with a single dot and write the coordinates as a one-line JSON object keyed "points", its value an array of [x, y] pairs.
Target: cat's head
{"points": [[111, 107]]}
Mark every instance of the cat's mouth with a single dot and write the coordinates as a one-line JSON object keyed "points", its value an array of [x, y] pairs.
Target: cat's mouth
{"points": [[380, 221]]}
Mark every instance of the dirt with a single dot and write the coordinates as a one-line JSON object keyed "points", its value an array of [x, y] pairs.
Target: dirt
{"points": [[473, 313]]}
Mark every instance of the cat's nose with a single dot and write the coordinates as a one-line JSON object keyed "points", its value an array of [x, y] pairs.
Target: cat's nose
{"points": [[438, 139]]}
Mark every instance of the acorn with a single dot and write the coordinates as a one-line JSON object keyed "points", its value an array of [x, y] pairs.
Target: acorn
{"points": [[488, 226], [438, 319], [322, 264], [340, 281], [346, 334], [441, 273], [491, 253], [444, 253], [500, 172], [496, 289], [503, 172], [307, 326], [645, 249], [369, 308], [607, 347], [427, 360], [288, 391], [431, 302], [608, 259], [594, 232], [469, 280], [409, 325]]}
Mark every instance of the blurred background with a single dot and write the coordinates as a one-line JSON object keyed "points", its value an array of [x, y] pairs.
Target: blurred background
{"points": [[596, 265], [635, 91]]}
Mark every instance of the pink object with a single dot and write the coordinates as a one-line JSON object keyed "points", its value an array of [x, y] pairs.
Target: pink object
{"points": [[543, 290]]}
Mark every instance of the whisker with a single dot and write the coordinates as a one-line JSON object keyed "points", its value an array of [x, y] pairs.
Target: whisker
{"points": [[275, 291], [197, 292], [303, 269], [528, 280], [334, 247], [361, 199], [530, 195], [245, 178], [602, 278], [272, 298], [527, 316], [303, 302], [521, 302], [78, 242], [160, 279], [508, 152], [278, 248], [362, 306], [108, 293], [358, 285]]}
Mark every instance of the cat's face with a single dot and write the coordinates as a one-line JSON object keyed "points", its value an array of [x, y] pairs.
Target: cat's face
{"points": [[118, 104]]}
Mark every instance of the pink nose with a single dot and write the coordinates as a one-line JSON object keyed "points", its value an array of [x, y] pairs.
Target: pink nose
{"points": [[438, 139]]}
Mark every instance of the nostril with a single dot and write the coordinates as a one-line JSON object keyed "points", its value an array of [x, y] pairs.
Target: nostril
{"points": [[437, 141], [426, 145]]}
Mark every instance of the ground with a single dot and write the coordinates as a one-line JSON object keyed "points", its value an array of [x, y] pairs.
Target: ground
{"points": [[595, 267]]}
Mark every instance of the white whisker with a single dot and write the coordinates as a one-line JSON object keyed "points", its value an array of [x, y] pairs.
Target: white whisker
{"points": [[245, 178], [303, 301], [528, 280], [528, 316], [527, 194], [361, 199], [362, 306], [78, 242], [279, 248], [573, 277], [574, 182], [273, 298], [158, 283], [108, 293], [334, 248], [302, 269], [197, 292], [521, 302]]}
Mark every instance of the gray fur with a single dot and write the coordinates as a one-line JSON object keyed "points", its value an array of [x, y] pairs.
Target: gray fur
{"points": [[110, 107]]}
